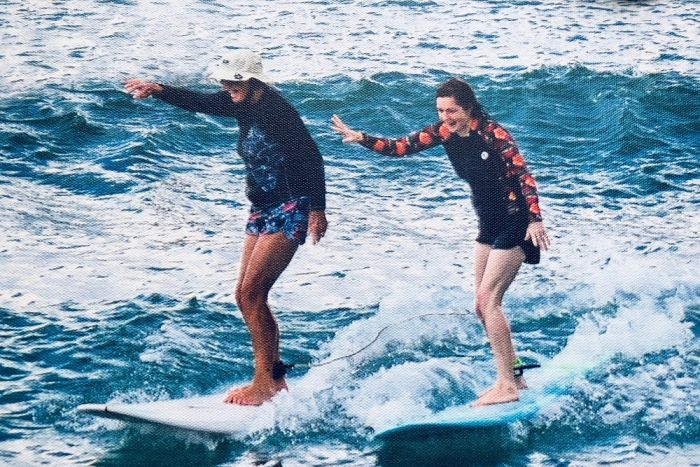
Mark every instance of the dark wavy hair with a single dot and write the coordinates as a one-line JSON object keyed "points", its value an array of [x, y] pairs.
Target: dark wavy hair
{"points": [[463, 95]]}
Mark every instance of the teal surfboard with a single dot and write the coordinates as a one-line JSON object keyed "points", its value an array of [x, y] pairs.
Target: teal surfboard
{"points": [[548, 385], [532, 402]]}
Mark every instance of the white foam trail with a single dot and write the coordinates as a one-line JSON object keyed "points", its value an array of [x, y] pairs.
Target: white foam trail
{"points": [[406, 391], [352, 393], [409, 316], [632, 333]]}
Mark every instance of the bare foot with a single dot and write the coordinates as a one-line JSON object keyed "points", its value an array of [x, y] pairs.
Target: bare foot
{"points": [[233, 393], [519, 383], [499, 394], [255, 393]]}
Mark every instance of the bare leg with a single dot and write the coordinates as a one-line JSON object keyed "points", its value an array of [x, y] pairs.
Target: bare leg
{"points": [[481, 256], [499, 271], [264, 260], [248, 248]]}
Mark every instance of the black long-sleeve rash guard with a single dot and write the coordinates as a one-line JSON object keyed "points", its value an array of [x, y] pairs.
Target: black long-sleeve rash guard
{"points": [[282, 160]]}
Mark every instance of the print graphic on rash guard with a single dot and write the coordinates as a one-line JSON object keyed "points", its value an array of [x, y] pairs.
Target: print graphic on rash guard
{"points": [[263, 158], [282, 161]]}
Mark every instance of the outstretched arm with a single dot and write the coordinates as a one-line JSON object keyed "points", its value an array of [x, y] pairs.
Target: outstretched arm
{"points": [[428, 137], [218, 103]]}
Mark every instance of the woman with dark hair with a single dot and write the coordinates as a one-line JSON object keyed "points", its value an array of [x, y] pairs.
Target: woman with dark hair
{"points": [[504, 196], [285, 184]]}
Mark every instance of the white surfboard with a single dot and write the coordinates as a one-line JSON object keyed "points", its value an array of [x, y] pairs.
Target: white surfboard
{"points": [[205, 414]]}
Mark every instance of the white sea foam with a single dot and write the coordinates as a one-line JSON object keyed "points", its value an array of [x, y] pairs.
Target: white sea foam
{"points": [[336, 394], [77, 41]]}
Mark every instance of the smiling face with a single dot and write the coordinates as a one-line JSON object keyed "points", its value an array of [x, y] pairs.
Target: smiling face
{"points": [[453, 115], [237, 89]]}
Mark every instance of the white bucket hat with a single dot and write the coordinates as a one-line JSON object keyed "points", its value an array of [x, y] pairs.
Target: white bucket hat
{"points": [[240, 65]]}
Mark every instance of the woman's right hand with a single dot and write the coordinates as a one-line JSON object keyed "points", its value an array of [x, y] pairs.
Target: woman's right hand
{"points": [[349, 135], [141, 89]]}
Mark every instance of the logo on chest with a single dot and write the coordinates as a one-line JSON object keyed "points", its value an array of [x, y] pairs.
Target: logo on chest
{"points": [[484, 155]]}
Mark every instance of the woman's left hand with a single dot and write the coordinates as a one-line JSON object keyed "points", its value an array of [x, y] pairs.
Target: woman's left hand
{"points": [[317, 226], [537, 233]]}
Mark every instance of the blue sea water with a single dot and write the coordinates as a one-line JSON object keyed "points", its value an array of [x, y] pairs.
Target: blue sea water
{"points": [[123, 223]]}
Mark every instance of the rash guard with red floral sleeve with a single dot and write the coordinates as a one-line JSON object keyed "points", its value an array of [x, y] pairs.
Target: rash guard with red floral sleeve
{"points": [[504, 193], [488, 159]]}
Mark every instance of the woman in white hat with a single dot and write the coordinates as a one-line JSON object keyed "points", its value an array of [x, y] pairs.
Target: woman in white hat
{"points": [[285, 184]]}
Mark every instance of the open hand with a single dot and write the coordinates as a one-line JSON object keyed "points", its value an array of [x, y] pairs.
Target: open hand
{"points": [[537, 233], [317, 226], [141, 89], [349, 135]]}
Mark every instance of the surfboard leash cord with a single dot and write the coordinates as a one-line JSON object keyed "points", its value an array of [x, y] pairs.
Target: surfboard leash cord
{"points": [[280, 369]]}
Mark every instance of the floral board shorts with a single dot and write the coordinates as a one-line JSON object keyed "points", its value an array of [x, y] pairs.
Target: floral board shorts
{"points": [[291, 217]]}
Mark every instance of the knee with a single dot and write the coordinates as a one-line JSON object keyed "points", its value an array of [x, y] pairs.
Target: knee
{"points": [[485, 298], [249, 296]]}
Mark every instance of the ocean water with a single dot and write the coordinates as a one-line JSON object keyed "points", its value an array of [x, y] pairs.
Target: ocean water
{"points": [[123, 222]]}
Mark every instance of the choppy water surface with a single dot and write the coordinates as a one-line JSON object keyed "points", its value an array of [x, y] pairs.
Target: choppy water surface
{"points": [[122, 229]]}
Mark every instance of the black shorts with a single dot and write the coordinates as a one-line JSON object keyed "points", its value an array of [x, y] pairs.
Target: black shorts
{"points": [[507, 232]]}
